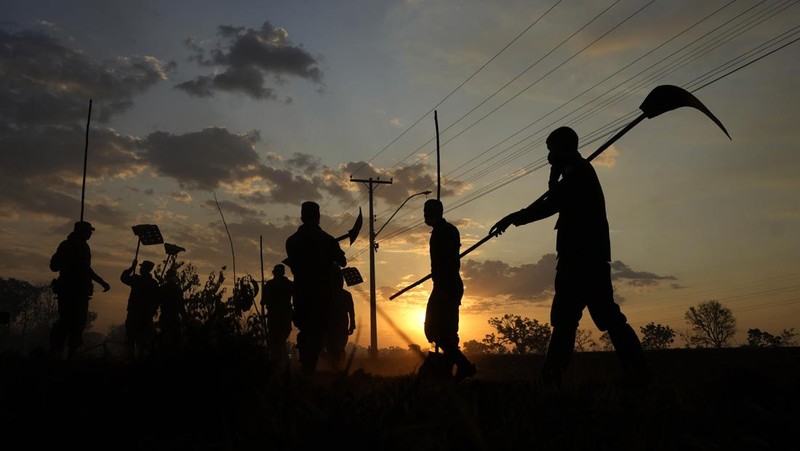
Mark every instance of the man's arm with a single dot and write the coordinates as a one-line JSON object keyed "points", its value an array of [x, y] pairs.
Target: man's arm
{"points": [[540, 209], [338, 253], [536, 211], [96, 277], [127, 274]]}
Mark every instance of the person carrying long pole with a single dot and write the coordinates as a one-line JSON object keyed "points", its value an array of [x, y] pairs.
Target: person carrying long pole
{"points": [[660, 100]]}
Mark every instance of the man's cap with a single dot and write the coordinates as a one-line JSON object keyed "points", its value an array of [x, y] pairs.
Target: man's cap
{"points": [[279, 268], [147, 264], [83, 225]]}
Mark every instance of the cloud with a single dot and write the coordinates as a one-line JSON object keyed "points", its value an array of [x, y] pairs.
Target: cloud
{"points": [[621, 272], [493, 278], [205, 159], [50, 83], [243, 58], [42, 167], [181, 196], [533, 282], [217, 158], [406, 180], [608, 158], [44, 94], [230, 207]]}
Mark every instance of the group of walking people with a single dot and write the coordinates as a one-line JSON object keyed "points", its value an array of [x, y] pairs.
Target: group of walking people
{"points": [[321, 309], [149, 297], [583, 271]]}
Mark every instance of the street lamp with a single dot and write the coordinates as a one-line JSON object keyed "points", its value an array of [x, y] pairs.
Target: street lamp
{"points": [[373, 349], [398, 209]]}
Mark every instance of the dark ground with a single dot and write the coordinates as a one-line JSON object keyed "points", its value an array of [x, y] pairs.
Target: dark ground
{"points": [[230, 400]]}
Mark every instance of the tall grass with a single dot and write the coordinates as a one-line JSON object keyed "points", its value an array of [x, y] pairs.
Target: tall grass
{"points": [[231, 399]]}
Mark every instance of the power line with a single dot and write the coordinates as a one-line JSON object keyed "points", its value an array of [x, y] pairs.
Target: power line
{"points": [[754, 19], [489, 61]]}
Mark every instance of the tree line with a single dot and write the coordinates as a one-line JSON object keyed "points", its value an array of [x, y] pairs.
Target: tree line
{"points": [[28, 310], [710, 325]]}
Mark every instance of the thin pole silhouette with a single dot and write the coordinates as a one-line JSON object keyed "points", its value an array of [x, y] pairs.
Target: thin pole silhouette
{"points": [[263, 311], [85, 157], [261, 256], [233, 254], [438, 164]]}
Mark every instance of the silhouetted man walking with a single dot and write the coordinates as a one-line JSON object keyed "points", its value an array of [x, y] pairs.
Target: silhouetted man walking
{"points": [[342, 320], [583, 273], [142, 308], [311, 252], [276, 298], [172, 308], [73, 288], [441, 314]]}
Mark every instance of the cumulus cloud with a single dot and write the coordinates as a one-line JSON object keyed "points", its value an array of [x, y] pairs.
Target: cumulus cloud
{"points": [[51, 82], [608, 158], [216, 157], [44, 92], [494, 278], [234, 208], [204, 159], [406, 180], [42, 167], [243, 58], [623, 273]]}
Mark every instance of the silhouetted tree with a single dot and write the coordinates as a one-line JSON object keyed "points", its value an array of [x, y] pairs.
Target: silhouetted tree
{"points": [[605, 342], [758, 339], [711, 323], [584, 341], [657, 336], [526, 335], [211, 317], [492, 344], [473, 347]]}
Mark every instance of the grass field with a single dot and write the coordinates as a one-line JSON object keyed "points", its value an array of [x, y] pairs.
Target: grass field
{"points": [[738, 398]]}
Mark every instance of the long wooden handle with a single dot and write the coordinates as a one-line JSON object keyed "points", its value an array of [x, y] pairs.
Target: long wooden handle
{"points": [[461, 255]]}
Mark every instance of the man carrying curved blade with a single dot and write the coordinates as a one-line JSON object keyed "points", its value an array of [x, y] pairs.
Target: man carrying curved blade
{"points": [[583, 272]]}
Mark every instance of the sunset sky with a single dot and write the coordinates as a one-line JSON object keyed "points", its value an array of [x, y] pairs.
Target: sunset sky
{"points": [[266, 104]]}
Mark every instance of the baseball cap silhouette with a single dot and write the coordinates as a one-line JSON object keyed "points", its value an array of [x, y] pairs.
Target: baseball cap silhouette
{"points": [[83, 225]]}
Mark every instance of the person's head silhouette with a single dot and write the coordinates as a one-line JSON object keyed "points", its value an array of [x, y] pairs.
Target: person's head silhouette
{"points": [[83, 229], [309, 213], [145, 267], [433, 211], [563, 146], [278, 270]]}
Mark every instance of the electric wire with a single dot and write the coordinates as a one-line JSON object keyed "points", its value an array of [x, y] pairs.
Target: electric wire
{"points": [[790, 33]]}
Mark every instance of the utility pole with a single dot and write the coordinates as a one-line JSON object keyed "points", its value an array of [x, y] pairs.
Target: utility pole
{"points": [[373, 317]]}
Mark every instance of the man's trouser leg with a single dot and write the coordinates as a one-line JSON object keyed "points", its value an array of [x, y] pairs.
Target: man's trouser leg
{"points": [[77, 324], [60, 328], [565, 315], [608, 317], [629, 350], [309, 345]]}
